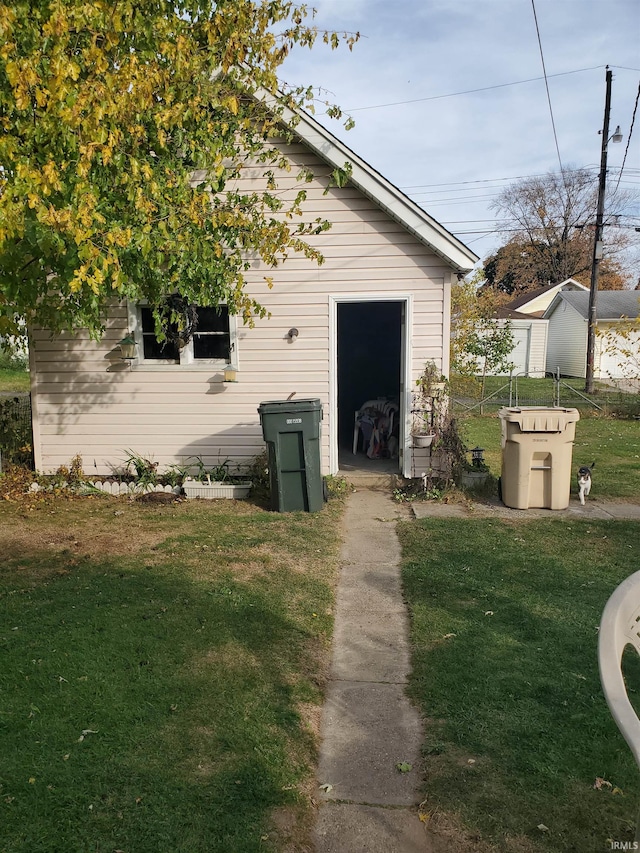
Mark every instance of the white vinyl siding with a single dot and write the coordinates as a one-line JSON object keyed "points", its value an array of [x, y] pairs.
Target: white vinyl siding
{"points": [[529, 347], [90, 402], [567, 341], [532, 354], [612, 359]]}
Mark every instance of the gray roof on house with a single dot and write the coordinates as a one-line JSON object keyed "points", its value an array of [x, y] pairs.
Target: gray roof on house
{"points": [[610, 305], [530, 295]]}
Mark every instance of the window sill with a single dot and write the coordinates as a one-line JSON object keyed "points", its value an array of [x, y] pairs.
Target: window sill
{"points": [[197, 367]]}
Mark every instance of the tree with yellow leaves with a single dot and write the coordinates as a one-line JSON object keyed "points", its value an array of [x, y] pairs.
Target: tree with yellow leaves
{"points": [[123, 126]]}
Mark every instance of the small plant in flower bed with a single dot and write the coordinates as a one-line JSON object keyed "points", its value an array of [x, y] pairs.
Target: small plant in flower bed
{"points": [[138, 473], [419, 490], [220, 473], [216, 482], [146, 471]]}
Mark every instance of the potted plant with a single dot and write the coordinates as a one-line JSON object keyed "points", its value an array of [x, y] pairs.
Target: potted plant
{"points": [[428, 405], [216, 482]]}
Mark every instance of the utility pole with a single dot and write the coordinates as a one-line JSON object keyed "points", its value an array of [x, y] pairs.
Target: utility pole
{"points": [[597, 241]]}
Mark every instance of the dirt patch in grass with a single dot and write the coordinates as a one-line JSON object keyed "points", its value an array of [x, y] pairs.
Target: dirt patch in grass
{"points": [[450, 836], [232, 657], [107, 531], [293, 826]]}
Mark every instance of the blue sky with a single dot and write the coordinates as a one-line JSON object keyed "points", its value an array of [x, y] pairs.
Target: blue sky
{"points": [[409, 83]]}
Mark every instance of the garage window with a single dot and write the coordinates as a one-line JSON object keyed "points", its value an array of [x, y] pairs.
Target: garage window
{"points": [[213, 342]]}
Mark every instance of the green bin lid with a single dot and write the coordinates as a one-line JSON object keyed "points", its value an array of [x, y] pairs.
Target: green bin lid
{"points": [[284, 406]]}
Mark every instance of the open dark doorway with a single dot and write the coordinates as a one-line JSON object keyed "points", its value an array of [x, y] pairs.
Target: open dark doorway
{"points": [[369, 366]]}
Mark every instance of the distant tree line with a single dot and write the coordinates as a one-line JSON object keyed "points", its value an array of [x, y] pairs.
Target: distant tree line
{"points": [[548, 222]]}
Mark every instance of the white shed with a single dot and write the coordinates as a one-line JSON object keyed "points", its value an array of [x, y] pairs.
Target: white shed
{"points": [[567, 339], [530, 342], [525, 313], [367, 320]]}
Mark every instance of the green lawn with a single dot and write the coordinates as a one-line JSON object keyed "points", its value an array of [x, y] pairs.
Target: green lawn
{"points": [[13, 379], [162, 668], [614, 445], [504, 632]]}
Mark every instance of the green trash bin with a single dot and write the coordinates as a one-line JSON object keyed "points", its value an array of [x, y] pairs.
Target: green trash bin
{"points": [[291, 429]]}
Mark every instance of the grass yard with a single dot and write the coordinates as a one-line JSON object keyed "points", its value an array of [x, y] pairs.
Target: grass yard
{"points": [[14, 378], [520, 745], [613, 443], [14, 381], [162, 674]]}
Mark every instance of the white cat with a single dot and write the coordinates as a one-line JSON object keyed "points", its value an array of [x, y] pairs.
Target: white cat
{"points": [[584, 481]]}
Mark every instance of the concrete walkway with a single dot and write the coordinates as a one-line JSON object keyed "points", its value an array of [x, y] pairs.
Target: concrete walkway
{"points": [[592, 510], [369, 726]]}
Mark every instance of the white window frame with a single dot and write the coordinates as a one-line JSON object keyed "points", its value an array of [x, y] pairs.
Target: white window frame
{"points": [[186, 358]]}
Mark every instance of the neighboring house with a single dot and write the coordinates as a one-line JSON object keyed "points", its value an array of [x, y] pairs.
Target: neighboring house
{"points": [[567, 339], [535, 302], [529, 355], [367, 320]]}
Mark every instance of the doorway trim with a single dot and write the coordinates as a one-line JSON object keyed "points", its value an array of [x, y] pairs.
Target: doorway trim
{"points": [[404, 413]]}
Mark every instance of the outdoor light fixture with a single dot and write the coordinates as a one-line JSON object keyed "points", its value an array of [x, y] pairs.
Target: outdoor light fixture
{"points": [[617, 135], [127, 347], [230, 373], [477, 459], [292, 334]]}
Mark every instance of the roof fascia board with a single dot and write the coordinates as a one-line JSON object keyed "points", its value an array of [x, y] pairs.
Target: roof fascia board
{"points": [[557, 299], [377, 188]]}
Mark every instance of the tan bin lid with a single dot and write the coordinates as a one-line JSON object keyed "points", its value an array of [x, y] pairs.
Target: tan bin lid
{"points": [[540, 419]]}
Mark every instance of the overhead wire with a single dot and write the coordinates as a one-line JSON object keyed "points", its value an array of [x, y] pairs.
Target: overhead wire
{"points": [[626, 150], [546, 82], [468, 91]]}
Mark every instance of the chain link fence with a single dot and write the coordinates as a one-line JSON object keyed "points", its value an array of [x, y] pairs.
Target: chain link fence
{"points": [[16, 438], [552, 391]]}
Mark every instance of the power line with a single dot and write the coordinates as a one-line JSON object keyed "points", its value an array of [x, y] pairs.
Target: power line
{"points": [[590, 167], [469, 91], [464, 183], [546, 83], [626, 150]]}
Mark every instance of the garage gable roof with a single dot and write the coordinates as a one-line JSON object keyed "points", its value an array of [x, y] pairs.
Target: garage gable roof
{"points": [[611, 304], [381, 191]]}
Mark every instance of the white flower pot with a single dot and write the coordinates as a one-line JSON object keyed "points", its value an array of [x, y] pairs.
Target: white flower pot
{"points": [[423, 440], [211, 491]]}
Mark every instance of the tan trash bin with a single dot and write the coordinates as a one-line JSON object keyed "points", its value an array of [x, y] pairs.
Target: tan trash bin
{"points": [[537, 448]]}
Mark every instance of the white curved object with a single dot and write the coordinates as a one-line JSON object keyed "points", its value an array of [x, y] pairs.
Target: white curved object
{"points": [[619, 628]]}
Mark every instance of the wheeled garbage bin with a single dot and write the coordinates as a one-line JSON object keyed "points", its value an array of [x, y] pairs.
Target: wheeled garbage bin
{"points": [[291, 429], [537, 448]]}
